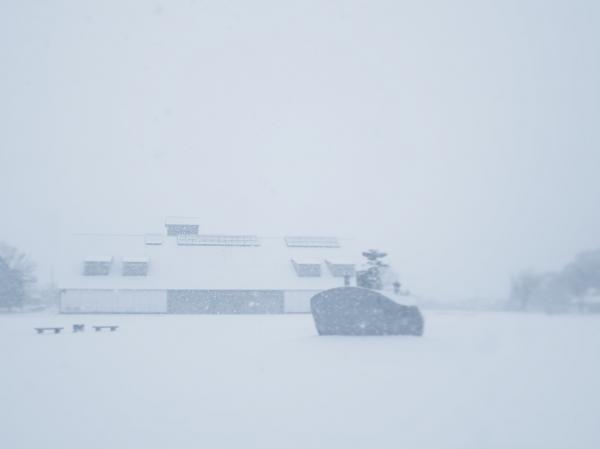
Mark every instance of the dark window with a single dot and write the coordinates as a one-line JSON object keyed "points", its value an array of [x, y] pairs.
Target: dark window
{"points": [[96, 268], [338, 269], [135, 269], [307, 269], [182, 229]]}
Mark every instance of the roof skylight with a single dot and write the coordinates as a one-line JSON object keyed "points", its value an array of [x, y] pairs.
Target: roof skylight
{"points": [[312, 242], [218, 240]]}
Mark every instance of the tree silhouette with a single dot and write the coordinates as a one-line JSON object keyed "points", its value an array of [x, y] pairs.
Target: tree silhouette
{"points": [[371, 277], [16, 274]]}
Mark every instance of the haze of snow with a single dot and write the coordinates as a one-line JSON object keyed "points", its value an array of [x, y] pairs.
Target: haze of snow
{"points": [[474, 381], [460, 137]]}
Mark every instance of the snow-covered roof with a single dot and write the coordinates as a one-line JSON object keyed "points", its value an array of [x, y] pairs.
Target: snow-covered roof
{"points": [[143, 259], [307, 260], [340, 262], [173, 265], [339, 268], [154, 239], [303, 241], [187, 221], [98, 259]]}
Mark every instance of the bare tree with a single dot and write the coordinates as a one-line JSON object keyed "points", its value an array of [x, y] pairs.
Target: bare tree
{"points": [[16, 276], [559, 291], [523, 287], [582, 275]]}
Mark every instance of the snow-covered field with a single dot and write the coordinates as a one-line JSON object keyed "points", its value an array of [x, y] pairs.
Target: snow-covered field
{"points": [[475, 380]]}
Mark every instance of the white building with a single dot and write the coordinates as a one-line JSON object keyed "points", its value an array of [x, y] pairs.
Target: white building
{"points": [[183, 271]]}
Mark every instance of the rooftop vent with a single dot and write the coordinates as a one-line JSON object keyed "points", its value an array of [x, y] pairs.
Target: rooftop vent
{"points": [[153, 239], [307, 268], [97, 266], [218, 240], [341, 269], [312, 242], [135, 266], [182, 225]]}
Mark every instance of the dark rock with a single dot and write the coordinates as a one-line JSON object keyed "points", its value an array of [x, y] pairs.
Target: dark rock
{"points": [[360, 311]]}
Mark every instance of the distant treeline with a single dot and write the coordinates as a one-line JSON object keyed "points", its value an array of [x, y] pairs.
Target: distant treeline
{"points": [[574, 288]]}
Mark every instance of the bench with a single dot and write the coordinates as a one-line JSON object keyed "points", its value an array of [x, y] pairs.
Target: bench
{"points": [[41, 330], [99, 328]]}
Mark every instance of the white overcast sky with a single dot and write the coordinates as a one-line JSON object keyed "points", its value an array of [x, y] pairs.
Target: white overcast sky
{"points": [[461, 137]]}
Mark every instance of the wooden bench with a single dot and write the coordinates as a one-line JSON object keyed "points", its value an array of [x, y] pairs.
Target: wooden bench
{"points": [[99, 328], [41, 330]]}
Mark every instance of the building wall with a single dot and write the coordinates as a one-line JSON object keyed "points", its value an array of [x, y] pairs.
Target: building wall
{"points": [[113, 301], [225, 301], [186, 301]]}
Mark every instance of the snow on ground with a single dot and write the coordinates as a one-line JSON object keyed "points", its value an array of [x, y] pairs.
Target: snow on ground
{"points": [[475, 380]]}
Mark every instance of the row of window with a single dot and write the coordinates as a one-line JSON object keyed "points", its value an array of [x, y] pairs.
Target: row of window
{"points": [[134, 267], [139, 267], [313, 268]]}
